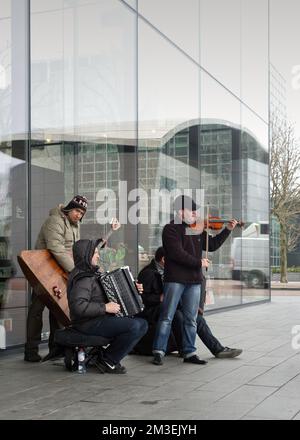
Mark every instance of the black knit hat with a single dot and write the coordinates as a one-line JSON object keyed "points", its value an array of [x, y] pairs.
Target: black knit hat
{"points": [[77, 202], [182, 202]]}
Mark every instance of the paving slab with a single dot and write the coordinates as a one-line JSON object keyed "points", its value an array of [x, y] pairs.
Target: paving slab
{"points": [[262, 383]]}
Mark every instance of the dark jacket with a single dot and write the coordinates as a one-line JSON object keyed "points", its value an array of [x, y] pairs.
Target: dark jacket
{"points": [[153, 288], [85, 296], [152, 284], [184, 252]]}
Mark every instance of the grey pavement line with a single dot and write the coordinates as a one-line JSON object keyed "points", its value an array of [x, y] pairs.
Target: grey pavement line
{"points": [[266, 342], [270, 395], [295, 415], [19, 406], [216, 378], [53, 411], [271, 351], [273, 367], [255, 406], [263, 386]]}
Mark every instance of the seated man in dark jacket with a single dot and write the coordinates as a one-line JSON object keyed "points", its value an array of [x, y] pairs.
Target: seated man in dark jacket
{"points": [[92, 314], [151, 277]]}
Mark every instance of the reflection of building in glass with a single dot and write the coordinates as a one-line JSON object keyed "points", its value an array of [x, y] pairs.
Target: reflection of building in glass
{"points": [[211, 157], [277, 93], [208, 156], [108, 101]]}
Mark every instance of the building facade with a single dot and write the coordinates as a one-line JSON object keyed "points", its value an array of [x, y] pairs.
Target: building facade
{"points": [[130, 103]]}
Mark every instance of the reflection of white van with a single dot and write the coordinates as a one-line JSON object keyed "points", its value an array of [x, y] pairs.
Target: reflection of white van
{"points": [[250, 259]]}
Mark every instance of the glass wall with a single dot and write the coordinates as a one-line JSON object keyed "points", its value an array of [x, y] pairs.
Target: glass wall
{"points": [[220, 174], [168, 144], [13, 168], [131, 103], [255, 56], [178, 20], [220, 37], [252, 249]]}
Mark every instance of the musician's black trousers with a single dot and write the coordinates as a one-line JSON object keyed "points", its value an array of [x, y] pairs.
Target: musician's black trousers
{"points": [[203, 331], [35, 326], [124, 331]]}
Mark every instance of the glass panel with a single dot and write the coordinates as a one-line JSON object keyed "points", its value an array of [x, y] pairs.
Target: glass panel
{"points": [[168, 133], [220, 178], [13, 169], [177, 19], [132, 3], [254, 55], [84, 74], [84, 117], [251, 253], [220, 36], [84, 107]]}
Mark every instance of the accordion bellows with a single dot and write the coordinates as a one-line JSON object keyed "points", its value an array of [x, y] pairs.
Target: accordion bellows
{"points": [[119, 286]]}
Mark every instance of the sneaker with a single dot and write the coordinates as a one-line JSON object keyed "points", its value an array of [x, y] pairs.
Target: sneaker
{"points": [[194, 360], [107, 367], [32, 357], [157, 359], [228, 353]]}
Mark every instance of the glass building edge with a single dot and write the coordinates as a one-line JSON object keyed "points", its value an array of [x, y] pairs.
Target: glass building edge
{"points": [[199, 60], [180, 135]]}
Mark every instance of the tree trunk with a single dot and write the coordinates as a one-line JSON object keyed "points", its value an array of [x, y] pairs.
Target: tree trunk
{"points": [[283, 253]]}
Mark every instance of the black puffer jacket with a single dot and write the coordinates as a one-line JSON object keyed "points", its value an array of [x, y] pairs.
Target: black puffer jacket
{"points": [[152, 284], [153, 288], [85, 295]]}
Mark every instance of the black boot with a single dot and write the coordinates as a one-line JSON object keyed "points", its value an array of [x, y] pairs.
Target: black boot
{"points": [[32, 356], [194, 360]]}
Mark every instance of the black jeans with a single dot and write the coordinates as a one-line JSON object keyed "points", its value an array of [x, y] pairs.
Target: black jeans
{"points": [[35, 325], [205, 334], [124, 331]]}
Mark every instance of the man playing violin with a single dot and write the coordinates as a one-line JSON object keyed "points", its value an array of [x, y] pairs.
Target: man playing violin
{"points": [[183, 277]]}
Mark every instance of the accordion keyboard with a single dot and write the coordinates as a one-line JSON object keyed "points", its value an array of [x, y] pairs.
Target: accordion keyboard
{"points": [[119, 287]]}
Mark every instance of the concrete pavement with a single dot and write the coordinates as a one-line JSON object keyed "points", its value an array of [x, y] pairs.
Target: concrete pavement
{"points": [[263, 383]]}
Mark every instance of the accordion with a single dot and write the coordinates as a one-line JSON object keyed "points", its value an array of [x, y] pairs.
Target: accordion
{"points": [[119, 287]]}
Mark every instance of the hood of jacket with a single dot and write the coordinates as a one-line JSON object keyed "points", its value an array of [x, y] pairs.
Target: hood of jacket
{"points": [[57, 211], [83, 251]]}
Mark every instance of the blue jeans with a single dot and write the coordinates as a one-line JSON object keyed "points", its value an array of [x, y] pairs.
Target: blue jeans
{"points": [[189, 297], [124, 331]]}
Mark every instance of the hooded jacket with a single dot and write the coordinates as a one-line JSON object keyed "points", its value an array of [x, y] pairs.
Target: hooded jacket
{"points": [[58, 235], [85, 295]]}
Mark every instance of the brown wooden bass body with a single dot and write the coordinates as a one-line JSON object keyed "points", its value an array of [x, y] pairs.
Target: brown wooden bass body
{"points": [[43, 273]]}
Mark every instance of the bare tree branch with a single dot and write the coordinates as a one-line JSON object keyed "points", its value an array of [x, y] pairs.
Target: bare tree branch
{"points": [[285, 185]]}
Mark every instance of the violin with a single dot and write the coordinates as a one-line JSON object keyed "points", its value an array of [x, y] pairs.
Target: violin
{"points": [[213, 222], [217, 223]]}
